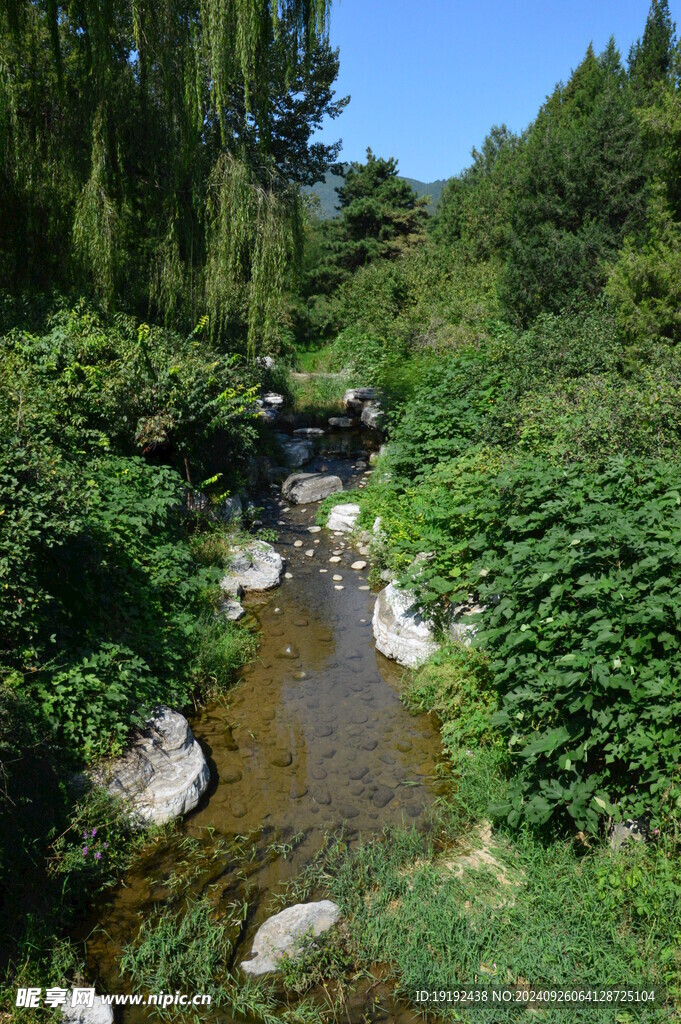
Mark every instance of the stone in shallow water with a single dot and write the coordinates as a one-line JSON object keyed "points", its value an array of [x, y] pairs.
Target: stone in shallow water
{"points": [[297, 543], [281, 935], [382, 796], [337, 578], [301, 488], [358, 565], [281, 758], [231, 775], [289, 651], [339, 586], [314, 529], [310, 553], [335, 559]]}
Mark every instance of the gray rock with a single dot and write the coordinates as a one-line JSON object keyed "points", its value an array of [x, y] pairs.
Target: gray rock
{"points": [[231, 610], [297, 452], [301, 488], [283, 934], [310, 431], [355, 398], [399, 629], [268, 414], [266, 362], [341, 422], [256, 566], [98, 1013], [342, 518], [231, 508], [372, 415], [632, 830], [164, 773]]}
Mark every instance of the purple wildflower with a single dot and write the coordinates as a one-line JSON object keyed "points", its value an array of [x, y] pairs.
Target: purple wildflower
{"points": [[98, 855], [94, 832], [85, 851]]}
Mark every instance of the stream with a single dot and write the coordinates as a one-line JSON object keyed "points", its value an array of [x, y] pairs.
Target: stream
{"points": [[312, 740]]}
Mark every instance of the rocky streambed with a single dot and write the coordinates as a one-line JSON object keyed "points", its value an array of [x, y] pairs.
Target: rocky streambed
{"points": [[314, 739]]}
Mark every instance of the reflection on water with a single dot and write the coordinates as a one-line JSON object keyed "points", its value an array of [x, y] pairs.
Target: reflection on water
{"points": [[314, 738]]}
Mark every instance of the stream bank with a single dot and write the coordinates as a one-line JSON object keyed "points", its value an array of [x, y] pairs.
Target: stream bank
{"points": [[314, 741]]}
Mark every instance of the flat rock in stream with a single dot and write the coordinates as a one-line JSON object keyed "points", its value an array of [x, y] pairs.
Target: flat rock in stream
{"points": [[400, 631], [282, 934], [164, 773], [342, 518], [256, 566], [302, 488]]}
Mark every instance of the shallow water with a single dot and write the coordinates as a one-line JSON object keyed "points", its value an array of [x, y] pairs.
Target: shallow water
{"points": [[314, 738]]}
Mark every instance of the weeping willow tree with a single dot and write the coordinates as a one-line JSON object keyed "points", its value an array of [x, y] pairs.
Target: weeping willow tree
{"points": [[153, 152]]}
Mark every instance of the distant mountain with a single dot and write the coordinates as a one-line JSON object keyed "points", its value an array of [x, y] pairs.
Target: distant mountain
{"points": [[328, 199]]}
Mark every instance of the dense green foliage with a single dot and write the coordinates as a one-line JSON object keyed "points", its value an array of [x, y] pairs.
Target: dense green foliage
{"points": [[153, 153], [528, 349]]}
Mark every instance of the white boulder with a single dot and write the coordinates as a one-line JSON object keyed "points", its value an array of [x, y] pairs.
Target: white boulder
{"points": [[282, 934], [98, 1013], [164, 773], [301, 488], [256, 566], [342, 518], [401, 633]]}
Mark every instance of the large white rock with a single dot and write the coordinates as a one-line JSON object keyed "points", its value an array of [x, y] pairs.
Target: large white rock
{"points": [[301, 488], [342, 518], [256, 566], [98, 1013], [281, 935], [164, 773], [401, 633]]}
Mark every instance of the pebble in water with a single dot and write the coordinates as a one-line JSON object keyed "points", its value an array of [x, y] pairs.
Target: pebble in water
{"points": [[277, 611], [313, 529], [358, 565], [337, 579], [339, 586], [363, 588], [289, 651], [297, 543], [334, 558], [281, 758], [288, 575], [316, 542], [323, 570], [309, 553]]}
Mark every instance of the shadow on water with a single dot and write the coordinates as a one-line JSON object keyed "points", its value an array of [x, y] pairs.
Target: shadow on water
{"points": [[313, 739]]}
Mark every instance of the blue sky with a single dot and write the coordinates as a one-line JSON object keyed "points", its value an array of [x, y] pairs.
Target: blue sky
{"points": [[428, 78]]}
